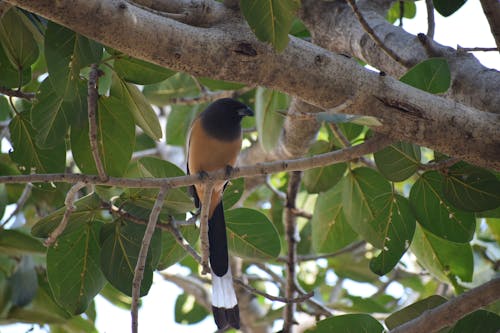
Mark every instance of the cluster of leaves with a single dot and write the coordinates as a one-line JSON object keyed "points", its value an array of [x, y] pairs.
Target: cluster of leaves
{"points": [[445, 217]]}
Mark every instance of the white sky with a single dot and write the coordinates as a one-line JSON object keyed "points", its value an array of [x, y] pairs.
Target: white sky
{"points": [[467, 28]]}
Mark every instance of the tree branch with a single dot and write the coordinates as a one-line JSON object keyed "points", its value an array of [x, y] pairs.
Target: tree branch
{"points": [[431, 24], [19, 204], [143, 253], [306, 71], [68, 202], [92, 112], [16, 93], [448, 313], [373, 34], [491, 10], [335, 27], [373, 144], [292, 238]]}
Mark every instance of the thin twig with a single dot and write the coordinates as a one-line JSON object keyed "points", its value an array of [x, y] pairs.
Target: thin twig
{"points": [[193, 286], [143, 253], [68, 202], [369, 30], [19, 204], [440, 165], [292, 238], [172, 227], [205, 211], [350, 248], [301, 213], [286, 300], [448, 313], [92, 111], [17, 93], [375, 143], [431, 24], [476, 49], [401, 12], [278, 193]]}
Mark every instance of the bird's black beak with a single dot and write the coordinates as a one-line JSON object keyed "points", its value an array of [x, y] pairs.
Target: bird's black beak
{"points": [[245, 112]]}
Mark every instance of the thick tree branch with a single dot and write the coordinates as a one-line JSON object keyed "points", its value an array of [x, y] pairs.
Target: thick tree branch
{"points": [[143, 253], [335, 27], [491, 10], [373, 144], [304, 70], [450, 312]]}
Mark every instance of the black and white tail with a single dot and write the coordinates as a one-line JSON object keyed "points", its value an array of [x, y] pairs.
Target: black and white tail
{"points": [[224, 302]]}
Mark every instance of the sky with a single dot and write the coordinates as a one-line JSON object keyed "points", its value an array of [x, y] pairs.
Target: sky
{"points": [[467, 27]]}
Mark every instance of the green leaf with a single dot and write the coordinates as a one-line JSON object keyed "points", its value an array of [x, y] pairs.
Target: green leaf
{"points": [[233, 192], [17, 41], [444, 259], [73, 267], [471, 189], [116, 135], [361, 188], [323, 178], [219, 85], [349, 323], [87, 209], [448, 7], [144, 115], [480, 321], [435, 214], [179, 85], [432, 75], [409, 10], [172, 252], [121, 243], [398, 161], [115, 297], [10, 76], [48, 116], [397, 224], [330, 229], [269, 122], [27, 154], [188, 311], [17, 243], [270, 20], [413, 311], [251, 235], [66, 53], [178, 123], [140, 71]]}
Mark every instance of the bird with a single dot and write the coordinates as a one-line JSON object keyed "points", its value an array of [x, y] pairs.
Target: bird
{"points": [[214, 142]]}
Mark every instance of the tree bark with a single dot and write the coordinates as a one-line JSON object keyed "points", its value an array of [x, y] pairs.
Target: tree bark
{"points": [[304, 70]]}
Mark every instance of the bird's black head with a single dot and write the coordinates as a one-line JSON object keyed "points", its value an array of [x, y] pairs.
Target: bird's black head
{"points": [[222, 118]]}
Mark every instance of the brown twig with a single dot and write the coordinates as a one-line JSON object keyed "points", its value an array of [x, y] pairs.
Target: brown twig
{"points": [[286, 300], [448, 313], [205, 210], [19, 204], [143, 253], [476, 49], [301, 213], [278, 193], [68, 202], [491, 9], [375, 143], [350, 248], [93, 95], [369, 30], [440, 165], [431, 24], [292, 238], [17, 93]]}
